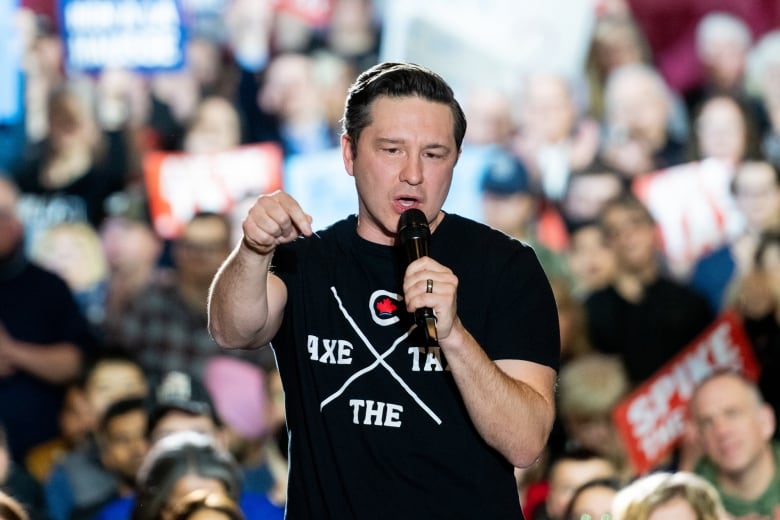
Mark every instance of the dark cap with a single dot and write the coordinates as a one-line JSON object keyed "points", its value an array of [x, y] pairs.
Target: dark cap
{"points": [[181, 392], [129, 204], [505, 174]]}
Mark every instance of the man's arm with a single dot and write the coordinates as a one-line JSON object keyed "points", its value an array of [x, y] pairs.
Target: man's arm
{"points": [[55, 363], [511, 402], [246, 301]]}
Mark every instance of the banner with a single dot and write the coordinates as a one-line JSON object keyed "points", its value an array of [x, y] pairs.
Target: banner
{"points": [[141, 35], [693, 208], [490, 43], [180, 185], [651, 420], [314, 12]]}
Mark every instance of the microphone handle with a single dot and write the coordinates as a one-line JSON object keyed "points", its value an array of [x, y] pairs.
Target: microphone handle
{"points": [[427, 321]]}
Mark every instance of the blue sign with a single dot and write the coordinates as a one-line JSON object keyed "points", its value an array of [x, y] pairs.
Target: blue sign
{"points": [[140, 35], [10, 64]]}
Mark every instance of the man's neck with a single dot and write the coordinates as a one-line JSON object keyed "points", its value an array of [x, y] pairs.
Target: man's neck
{"points": [[752, 482]]}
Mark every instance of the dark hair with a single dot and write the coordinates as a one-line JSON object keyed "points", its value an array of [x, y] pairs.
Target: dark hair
{"points": [[175, 456], [205, 500], [629, 202], [396, 80], [119, 408], [611, 483]]}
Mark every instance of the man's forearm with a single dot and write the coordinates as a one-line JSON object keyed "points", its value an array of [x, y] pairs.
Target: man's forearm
{"points": [[510, 402], [238, 308]]}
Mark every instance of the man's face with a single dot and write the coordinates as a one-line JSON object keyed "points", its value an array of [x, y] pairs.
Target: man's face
{"points": [[632, 237], [757, 194], [177, 421], [200, 251], [732, 425], [567, 476], [404, 159], [125, 444]]}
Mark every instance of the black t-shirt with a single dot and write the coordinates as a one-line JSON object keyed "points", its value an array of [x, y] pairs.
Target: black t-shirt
{"points": [[377, 426], [650, 332]]}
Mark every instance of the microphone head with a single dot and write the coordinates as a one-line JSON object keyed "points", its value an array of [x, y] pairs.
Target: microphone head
{"points": [[413, 226], [414, 233]]}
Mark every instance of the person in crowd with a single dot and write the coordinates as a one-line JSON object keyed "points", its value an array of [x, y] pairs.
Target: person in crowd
{"points": [[586, 193], [735, 428], [567, 472], [593, 500], [81, 482], [184, 462], [107, 377], [571, 320], [509, 205], [664, 495], [756, 298], [590, 387], [73, 251], [764, 80], [591, 262], [723, 43], [638, 121], [214, 127], [206, 505], [19, 484], [724, 130], [756, 191], [43, 337], [643, 316], [165, 326], [132, 249], [69, 175], [403, 131], [554, 137], [616, 40], [290, 93]]}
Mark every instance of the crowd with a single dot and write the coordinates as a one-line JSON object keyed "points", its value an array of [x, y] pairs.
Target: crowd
{"points": [[651, 200]]}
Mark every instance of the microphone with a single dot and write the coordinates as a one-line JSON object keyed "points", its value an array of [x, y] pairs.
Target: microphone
{"points": [[413, 236]]}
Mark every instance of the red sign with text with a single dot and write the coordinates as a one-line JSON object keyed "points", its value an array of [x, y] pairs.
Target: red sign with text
{"points": [[180, 184], [651, 420]]}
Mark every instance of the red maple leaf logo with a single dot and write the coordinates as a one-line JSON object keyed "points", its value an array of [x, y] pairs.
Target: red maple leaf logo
{"points": [[386, 306]]}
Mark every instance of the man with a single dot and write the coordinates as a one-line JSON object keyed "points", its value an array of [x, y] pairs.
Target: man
{"points": [[568, 472], [164, 326], [643, 315], [735, 428], [43, 337], [381, 425]]}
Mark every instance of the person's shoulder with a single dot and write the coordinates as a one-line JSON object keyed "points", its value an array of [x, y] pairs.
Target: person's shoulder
{"points": [[457, 227]]}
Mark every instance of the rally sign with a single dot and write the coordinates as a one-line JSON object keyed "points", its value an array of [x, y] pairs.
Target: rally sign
{"points": [[141, 35], [180, 185], [10, 64], [651, 420], [694, 209]]}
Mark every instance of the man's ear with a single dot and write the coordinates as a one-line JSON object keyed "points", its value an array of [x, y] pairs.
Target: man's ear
{"points": [[347, 154]]}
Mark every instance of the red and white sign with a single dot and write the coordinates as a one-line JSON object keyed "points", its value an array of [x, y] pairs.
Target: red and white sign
{"points": [[694, 209], [180, 185], [652, 419]]}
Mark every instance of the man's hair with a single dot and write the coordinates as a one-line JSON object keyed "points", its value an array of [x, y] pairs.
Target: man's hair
{"points": [[733, 373], [629, 202], [397, 80], [120, 408]]}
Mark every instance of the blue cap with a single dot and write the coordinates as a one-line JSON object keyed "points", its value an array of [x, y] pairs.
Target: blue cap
{"points": [[505, 174]]}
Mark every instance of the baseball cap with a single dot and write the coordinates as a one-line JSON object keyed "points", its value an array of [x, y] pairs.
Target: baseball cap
{"points": [[180, 392], [505, 174]]}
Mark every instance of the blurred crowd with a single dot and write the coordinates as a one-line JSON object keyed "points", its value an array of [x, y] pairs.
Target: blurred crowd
{"points": [[648, 185]]}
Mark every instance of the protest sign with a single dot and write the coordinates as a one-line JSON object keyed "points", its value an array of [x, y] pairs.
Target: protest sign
{"points": [[141, 35], [651, 419], [180, 185], [694, 209]]}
